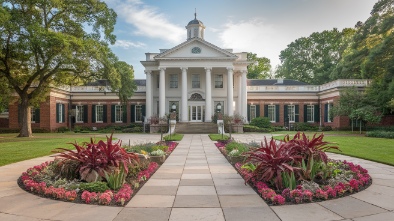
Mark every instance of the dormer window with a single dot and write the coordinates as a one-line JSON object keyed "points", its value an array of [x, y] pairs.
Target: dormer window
{"points": [[196, 50]]}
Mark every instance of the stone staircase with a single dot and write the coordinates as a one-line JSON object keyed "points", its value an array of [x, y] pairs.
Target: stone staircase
{"points": [[196, 128]]}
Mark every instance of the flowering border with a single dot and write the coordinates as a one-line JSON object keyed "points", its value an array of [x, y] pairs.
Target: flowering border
{"points": [[361, 181]]}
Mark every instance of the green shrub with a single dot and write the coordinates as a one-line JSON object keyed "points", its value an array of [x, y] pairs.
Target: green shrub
{"points": [[133, 130], [40, 130], [116, 178], [327, 128], [241, 147], [261, 122], [160, 147], [381, 134], [9, 130], [147, 147], [62, 129], [251, 128], [94, 187], [305, 127]]}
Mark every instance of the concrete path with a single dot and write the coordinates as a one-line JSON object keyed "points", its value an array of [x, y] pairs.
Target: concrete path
{"points": [[197, 183]]}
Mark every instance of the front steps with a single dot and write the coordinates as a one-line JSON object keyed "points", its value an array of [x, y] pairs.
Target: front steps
{"points": [[196, 128]]}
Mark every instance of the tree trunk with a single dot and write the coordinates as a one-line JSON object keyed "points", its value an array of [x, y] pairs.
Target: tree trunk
{"points": [[25, 118]]}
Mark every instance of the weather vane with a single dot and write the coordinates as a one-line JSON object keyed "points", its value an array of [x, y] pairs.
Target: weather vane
{"points": [[195, 13]]}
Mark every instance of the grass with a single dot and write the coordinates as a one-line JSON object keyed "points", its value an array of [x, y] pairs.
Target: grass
{"points": [[216, 137], [14, 149], [174, 137], [375, 149]]}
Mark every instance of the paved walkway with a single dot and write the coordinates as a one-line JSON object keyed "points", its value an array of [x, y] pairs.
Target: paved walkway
{"points": [[197, 183]]}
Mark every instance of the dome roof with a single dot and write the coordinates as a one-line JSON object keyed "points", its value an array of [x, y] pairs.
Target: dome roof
{"points": [[195, 22]]}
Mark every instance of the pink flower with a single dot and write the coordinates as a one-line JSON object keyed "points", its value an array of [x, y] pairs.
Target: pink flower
{"points": [[354, 184], [307, 195], [278, 200], [286, 193], [320, 194], [296, 195], [267, 193], [260, 185], [105, 198]]}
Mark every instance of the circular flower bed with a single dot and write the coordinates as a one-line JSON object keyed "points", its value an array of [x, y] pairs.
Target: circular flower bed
{"points": [[101, 173], [296, 170]]}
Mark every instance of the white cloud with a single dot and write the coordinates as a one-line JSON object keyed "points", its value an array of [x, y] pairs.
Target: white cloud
{"points": [[255, 36], [148, 21], [128, 44]]}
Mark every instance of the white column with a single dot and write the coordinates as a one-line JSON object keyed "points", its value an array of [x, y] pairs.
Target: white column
{"points": [[208, 95], [162, 94], [244, 95], [148, 93], [239, 106], [230, 92], [184, 115]]}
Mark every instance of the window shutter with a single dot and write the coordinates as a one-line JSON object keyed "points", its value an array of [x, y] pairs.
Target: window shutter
{"points": [[265, 110], [144, 112], [57, 112], [85, 113], [305, 113], [37, 113], [286, 113], [113, 113], [132, 113], [63, 113], [277, 113], [124, 109], [93, 113], [317, 113], [248, 112], [325, 112], [105, 113], [297, 113], [257, 110]]}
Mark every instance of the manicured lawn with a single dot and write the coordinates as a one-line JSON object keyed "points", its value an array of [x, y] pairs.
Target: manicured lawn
{"points": [[374, 149], [13, 149], [216, 137], [173, 137]]}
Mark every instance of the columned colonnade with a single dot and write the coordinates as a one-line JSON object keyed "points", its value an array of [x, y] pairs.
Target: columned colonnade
{"points": [[241, 101]]}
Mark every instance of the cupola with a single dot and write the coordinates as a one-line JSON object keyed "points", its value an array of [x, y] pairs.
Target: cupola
{"points": [[195, 28]]}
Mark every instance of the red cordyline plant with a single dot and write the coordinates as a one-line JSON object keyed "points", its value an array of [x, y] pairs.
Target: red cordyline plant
{"points": [[271, 160], [310, 149], [96, 158]]}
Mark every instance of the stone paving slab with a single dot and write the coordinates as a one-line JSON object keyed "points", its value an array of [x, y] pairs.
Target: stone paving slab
{"points": [[349, 207], [144, 214], [388, 216], [196, 190], [140, 200], [197, 201], [242, 201], [249, 214], [305, 212], [197, 214], [82, 212], [158, 190], [196, 182]]}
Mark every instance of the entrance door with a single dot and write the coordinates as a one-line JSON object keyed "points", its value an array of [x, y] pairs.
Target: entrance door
{"points": [[196, 113]]}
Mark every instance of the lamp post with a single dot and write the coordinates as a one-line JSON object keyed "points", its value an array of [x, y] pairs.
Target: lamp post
{"points": [[218, 109], [172, 116]]}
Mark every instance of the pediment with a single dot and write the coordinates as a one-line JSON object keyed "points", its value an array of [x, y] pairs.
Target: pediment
{"points": [[195, 48]]}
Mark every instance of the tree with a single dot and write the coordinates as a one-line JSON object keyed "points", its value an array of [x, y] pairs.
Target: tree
{"points": [[45, 43], [260, 68], [356, 105], [312, 59]]}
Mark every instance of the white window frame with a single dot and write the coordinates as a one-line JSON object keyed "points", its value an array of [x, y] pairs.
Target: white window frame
{"points": [[219, 81], [252, 112], [138, 113], [60, 107], [79, 112], [310, 113], [99, 112], [174, 80], [32, 115], [196, 79], [328, 113], [272, 113], [291, 113], [118, 114]]}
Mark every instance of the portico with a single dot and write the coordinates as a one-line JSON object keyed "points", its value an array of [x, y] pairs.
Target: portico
{"points": [[196, 76]]}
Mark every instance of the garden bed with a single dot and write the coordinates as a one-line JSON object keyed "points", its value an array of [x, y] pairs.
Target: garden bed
{"points": [[280, 173], [101, 173]]}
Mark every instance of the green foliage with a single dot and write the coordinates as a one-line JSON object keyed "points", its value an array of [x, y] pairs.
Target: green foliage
{"points": [[305, 127], [217, 137], [261, 122], [381, 134], [67, 169], [157, 153], [116, 178], [138, 148], [260, 68], [289, 180], [160, 147], [241, 147], [98, 187], [249, 166], [133, 130], [173, 137], [312, 59], [250, 128]]}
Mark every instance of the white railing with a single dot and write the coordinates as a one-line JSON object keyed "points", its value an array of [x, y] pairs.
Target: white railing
{"points": [[310, 88], [100, 89]]}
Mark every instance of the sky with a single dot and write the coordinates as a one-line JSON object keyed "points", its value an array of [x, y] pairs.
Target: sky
{"points": [[263, 27]]}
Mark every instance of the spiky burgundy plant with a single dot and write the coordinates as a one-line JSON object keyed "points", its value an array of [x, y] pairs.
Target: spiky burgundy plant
{"points": [[271, 160], [96, 158], [310, 149]]}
